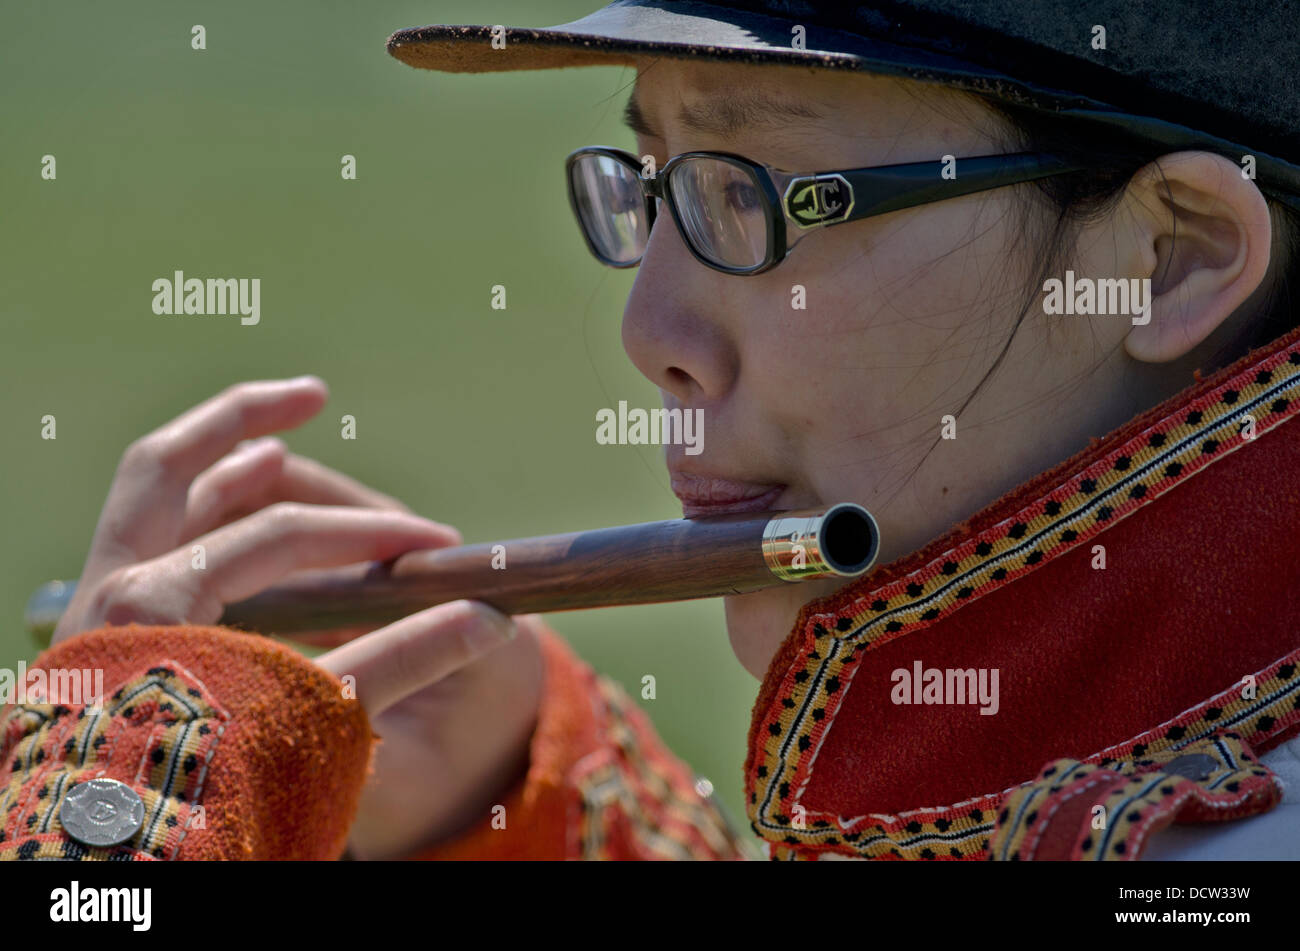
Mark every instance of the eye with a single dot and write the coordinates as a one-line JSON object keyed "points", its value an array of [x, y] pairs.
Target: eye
{"points": [[742, 196]]}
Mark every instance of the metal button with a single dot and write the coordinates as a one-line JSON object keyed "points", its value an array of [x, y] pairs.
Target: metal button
{"points": [[102, 812], [1194, 766]]}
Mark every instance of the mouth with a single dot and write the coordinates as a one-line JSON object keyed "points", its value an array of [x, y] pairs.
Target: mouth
{"points": [[706, 495]]}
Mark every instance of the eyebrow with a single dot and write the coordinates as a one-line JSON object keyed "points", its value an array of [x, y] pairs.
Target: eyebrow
{"points": [[724, 115]]}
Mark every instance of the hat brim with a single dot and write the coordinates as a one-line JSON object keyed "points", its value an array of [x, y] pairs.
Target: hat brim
{"points": [[626, 30]]}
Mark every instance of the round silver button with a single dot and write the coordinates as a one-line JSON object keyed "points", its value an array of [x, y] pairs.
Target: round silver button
{"points": [[102, 812]]}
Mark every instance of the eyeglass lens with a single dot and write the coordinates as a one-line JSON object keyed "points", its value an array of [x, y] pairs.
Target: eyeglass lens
{"points": [[721, 209], [719, 204], [611, 207]]}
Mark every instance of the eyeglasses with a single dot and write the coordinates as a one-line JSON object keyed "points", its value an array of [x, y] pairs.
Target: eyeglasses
{"points": [[741, 217]]}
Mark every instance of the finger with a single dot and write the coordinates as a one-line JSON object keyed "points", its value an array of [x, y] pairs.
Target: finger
{"points": [[305, 480], [241, 484], [238, 481], [146, 502], [249, 555], [194, 583], [396, 661]]}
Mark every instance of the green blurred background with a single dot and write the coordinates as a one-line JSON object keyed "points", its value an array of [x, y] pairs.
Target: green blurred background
{"points": [[225, 163]]}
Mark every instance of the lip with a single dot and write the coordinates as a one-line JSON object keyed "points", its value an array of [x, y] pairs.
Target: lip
{"points": [[709, 495]]}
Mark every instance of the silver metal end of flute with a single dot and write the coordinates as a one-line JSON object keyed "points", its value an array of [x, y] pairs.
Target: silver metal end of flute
{"points": [[840, 542]]}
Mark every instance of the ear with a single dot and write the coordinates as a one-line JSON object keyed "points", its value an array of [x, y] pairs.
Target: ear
{"points": [[1205, 237]]}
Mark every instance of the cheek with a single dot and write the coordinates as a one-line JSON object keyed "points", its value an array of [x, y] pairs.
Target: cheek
{"points": [[902, 321], [893, 318]]}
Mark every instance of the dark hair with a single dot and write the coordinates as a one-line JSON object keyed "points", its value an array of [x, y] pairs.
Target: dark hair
{"points": [[1111, 160]]}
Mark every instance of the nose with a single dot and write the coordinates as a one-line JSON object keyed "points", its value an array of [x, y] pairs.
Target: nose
{"points": [[677, 328]]}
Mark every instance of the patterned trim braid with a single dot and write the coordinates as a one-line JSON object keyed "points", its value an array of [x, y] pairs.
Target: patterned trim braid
{"points": [[157, 733], [1119, 805], [637, 802]]}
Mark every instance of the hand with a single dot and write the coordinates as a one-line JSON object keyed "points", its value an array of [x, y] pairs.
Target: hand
{"points": [[455, 722]]}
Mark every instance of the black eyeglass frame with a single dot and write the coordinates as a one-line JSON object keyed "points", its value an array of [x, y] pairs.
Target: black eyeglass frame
{"points": [[820, 199]]}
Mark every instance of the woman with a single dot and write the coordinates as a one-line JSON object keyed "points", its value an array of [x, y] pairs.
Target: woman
{"points": [[1070, 644]]}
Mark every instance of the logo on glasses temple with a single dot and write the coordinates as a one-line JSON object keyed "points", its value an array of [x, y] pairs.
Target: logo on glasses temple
{"points": [[818, 200]]}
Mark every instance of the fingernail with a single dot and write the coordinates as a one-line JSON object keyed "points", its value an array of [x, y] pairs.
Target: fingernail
{"points": [[493, 627]]}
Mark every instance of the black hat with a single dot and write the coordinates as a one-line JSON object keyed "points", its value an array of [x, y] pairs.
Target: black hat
{"points": [[1183, 73]]}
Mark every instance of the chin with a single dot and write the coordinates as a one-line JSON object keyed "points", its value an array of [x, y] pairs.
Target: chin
{"points": [[759, 623]]}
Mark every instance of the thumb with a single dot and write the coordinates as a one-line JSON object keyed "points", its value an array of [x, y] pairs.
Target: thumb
{"points": [[395, 661]]}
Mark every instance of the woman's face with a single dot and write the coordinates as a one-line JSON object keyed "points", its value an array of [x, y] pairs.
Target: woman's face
{"points": [[905, 315]]}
